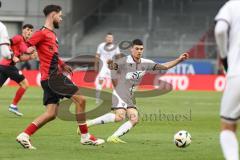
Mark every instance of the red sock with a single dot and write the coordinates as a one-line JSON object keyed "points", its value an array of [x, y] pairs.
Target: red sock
{"points": [[18, 95], [31, 129], [83, 128]]}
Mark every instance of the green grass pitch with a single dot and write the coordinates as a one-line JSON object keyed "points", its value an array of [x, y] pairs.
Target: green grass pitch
{"points": [[152, 139]]}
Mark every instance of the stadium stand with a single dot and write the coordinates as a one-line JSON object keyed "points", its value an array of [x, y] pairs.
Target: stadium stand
{"points": [[177, 26]]}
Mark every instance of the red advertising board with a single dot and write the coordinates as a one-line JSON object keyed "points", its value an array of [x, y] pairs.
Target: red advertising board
{"points": [[150, 81]]}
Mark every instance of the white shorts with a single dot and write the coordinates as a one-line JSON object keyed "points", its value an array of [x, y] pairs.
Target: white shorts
{"points": [[124, 101], [230, 105]]}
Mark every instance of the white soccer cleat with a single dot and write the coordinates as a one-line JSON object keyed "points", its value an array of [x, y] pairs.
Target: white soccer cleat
{"points": [[91, 140], [14, 110], [24, 140]]}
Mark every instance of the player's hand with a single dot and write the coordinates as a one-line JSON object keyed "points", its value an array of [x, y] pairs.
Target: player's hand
{"points": [[15, 59], [184, 57], [33, 55], [67, 69], [110, 64], [30, 50]]}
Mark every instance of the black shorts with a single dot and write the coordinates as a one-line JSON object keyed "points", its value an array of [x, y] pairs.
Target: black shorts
{"points": [[10, 72], [56, 88]]}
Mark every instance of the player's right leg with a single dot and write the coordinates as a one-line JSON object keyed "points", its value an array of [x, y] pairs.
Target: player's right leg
{"points": [[50, 100], [230, 113], [132, 115], [18, 96], [49, 115], [99, 83], [118, 106], [14, 74]]}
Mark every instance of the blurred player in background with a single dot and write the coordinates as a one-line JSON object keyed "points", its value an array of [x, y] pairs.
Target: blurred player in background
{"points": [[7, 63], [126, 75], [18, 44], [228, 41], [106, 50], [4, 42], [53, 68]]}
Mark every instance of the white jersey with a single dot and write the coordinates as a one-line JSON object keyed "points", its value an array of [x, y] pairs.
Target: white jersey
{"points": [[4, 38], [129, 73], [107, 52], [4, 42], [230, 13]]}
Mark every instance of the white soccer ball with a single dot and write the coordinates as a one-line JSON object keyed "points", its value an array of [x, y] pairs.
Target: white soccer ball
{"points": [[182, 139]]}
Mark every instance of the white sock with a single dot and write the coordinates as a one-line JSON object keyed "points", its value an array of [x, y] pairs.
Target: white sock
{"points": [[84, 136], [229, 145], [98, 91], [12, 105], [106, 118], [123, 129]]}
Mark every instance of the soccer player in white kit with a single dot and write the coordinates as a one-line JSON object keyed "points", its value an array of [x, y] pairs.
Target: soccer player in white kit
{"points": [[5, 42], [105, 51], [127, 73], [227, 33]]}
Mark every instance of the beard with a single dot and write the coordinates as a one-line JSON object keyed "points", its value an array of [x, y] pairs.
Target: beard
{"points": [[56, 25]]}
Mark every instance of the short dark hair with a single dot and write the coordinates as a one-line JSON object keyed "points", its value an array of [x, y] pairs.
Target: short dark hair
{"points": [[110, 33], [51, 8], [137, 42], [27, 26], [0, 4]]}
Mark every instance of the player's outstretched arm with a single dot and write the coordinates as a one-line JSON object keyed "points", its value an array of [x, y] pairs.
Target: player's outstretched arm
{"points": [[173, 63]]}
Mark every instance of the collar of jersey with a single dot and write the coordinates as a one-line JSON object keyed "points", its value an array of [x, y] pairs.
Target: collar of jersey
{"points": [[44, 27], [132, 60]]}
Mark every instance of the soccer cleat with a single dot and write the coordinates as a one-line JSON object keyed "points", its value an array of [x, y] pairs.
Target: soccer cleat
{"points": [[24, 140], [91, 140], [14, 110], [114, 139]]}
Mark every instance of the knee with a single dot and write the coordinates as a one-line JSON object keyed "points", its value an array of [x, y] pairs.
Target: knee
{"points": [[120, 117], [228, 126], [24, 85], [80, 99], [134, 119]]}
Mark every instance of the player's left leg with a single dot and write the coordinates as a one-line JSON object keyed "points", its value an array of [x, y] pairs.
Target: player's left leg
{"points": [[18, 96], [86, 137], [228, 140], [132, 115], [230, 113]]}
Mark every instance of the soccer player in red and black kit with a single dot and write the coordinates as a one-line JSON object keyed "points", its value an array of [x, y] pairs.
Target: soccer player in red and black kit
{"points": [[8, 69], [46, 44]]}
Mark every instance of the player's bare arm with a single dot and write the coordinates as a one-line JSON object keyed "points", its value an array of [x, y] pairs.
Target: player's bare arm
{"points": [[96, 64], [67, 69], [26, 57], [173, 63]]}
